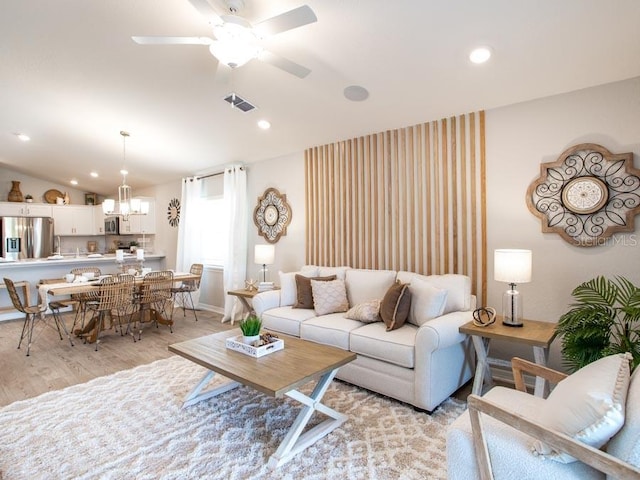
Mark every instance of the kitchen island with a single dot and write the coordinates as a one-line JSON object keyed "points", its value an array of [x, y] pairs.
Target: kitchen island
{"points": [[34, 270]]}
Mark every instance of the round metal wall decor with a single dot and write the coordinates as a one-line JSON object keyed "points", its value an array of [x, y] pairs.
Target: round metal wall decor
{"points": [[586, 195], [173, 212], [272, 215]]}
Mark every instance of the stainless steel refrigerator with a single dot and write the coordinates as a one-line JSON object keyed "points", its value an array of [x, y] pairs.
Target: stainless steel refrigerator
{"points": [[26, 237]]}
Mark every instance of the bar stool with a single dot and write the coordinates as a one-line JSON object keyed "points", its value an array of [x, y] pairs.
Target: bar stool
{"points": [[32, 315]]}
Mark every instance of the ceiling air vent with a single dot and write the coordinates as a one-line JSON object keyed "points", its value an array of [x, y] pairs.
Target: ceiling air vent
{"points": [[238, 102]]}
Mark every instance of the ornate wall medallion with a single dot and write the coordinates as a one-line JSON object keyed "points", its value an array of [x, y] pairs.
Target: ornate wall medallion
{"points": [[173, 212], [272, 215], [587, 195]]}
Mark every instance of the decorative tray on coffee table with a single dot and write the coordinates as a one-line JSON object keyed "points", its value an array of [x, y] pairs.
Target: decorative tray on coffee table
{"points": [[270, 344]]}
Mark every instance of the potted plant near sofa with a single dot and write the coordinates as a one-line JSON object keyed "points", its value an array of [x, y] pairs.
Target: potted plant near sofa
{"points": [[250, 327], [604, 320]]}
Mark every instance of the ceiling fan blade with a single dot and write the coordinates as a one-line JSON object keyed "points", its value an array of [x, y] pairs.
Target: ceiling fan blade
{"points": [[173, 40], [284, 64], [287, 21], [207, 11]]}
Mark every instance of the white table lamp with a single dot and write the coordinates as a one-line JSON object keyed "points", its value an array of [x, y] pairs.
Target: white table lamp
{"points": [[513, 267], [264, 255]]}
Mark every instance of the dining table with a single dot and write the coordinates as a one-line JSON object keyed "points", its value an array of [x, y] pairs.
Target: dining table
{"points": [[54, 287]]}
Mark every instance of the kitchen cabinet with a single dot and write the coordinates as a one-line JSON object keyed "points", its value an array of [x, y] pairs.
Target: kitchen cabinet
{"points": [[19, 209], [73, 219], [98, 220], [138, 224]]}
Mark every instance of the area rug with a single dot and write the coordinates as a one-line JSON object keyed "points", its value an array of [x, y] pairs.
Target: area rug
{"points": [[131, 425]]}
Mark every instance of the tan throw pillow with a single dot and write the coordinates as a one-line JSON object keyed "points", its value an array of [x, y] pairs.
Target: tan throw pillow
{"points": [[304, 297], [395, 306], [588, 405], [329, 296], [366, 312]]}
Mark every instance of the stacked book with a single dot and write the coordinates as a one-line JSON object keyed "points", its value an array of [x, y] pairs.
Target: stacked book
{"points": [[264, 286]]}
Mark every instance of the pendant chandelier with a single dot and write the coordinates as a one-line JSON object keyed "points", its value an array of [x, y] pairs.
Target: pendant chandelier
{"points": [[126, 205]]}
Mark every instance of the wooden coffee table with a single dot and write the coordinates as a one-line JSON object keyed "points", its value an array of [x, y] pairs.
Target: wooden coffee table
{"points": [[276, 374]]}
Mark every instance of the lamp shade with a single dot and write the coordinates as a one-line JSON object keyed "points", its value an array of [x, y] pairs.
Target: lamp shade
{"points": [[512, 266], [264, 254]]}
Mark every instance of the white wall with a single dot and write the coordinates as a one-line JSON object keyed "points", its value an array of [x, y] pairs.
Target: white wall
{"points": [[35, 187], [286, 174], [521, 137]]}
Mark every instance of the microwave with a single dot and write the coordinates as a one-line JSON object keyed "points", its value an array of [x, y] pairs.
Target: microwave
{"points": [[112, 226]]}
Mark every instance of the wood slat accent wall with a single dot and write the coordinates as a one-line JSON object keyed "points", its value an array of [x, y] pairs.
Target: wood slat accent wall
{"points": [[406, 199]]}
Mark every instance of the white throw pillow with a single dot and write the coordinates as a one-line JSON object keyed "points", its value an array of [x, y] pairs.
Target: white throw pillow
{"points": [[588, 405], [367, 312], [427, 301], [329, 297]]}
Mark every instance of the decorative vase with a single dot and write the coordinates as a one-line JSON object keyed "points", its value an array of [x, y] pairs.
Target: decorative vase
{"points": [[15, 195], [249, 340]]}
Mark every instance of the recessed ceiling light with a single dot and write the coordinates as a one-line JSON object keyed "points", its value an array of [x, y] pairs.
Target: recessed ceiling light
{"points": [[356, 93], [23, 137], [74, 182], [480, 55], [264, 124], [94, 174]]}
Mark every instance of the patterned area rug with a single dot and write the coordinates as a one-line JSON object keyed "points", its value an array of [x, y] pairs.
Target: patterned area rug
{"points": [[131, 425]]}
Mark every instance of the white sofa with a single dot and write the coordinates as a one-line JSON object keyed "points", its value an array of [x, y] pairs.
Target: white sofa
{"points": [[420, 365]]}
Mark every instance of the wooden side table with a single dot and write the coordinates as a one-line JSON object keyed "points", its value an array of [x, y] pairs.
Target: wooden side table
{"points": [[537, 334], [245, 295]]}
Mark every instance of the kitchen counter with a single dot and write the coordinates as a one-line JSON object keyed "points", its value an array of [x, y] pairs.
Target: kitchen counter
{"points": [[34, 270]]}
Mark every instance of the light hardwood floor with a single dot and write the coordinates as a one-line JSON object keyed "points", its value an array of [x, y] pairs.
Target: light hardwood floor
{"points": [[53, 364]]}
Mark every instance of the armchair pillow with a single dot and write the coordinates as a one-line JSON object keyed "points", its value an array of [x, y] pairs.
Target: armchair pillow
{"points": [[588, 405], [329, 296]]}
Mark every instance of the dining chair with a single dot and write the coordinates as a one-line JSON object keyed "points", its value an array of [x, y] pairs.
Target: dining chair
{"points": [[153, 299], [185, 289], [32, 314], [82, 299], [113, 296]]}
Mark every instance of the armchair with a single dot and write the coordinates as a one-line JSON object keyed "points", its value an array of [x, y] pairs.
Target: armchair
{"points": [[496, 436]]}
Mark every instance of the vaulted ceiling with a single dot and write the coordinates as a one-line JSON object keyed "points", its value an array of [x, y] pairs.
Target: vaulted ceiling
{"points": [[72, 78]]}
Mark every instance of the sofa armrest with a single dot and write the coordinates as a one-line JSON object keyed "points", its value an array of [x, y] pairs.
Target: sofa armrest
{"points": [[265, 301], [443, 331], [598, 459]]}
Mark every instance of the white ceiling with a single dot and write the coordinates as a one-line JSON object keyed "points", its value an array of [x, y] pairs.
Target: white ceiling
{"points": [[71, 77]]}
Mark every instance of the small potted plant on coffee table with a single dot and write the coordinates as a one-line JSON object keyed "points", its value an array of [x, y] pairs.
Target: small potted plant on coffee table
{"points": [[250, 327]]}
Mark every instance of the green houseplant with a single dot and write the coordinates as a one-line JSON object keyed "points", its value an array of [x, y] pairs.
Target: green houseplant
{"points": [[250, 327], [604, 320]]}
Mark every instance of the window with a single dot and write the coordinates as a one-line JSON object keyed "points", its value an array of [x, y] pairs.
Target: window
{"points": [[213, 230]]}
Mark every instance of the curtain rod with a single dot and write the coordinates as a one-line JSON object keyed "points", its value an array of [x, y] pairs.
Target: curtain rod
{"points": [[214, 174]]}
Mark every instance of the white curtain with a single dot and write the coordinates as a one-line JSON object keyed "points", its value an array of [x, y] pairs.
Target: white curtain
{"points": [[189, 232], [235, 265]]}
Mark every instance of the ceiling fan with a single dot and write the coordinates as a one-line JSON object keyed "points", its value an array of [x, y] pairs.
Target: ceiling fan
{"points": [[236, 41]]}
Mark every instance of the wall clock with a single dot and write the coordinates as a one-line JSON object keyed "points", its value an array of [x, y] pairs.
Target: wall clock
{"points": [[586, 195], [173, 212], [272, 215]]}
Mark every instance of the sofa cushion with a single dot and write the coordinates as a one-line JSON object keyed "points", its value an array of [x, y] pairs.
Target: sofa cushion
{"points": [[397, 346], [588, 405], [395, 306], [427, 301], [366, 285], [626, 443], [458, 288], [367, 312], [304, 296], [339, 272], [329, 296], [288, 289], [286, 319], [332, 329]]}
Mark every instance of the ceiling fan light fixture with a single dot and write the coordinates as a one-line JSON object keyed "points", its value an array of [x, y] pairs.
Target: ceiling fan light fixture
{"points": [[234, 54]]}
